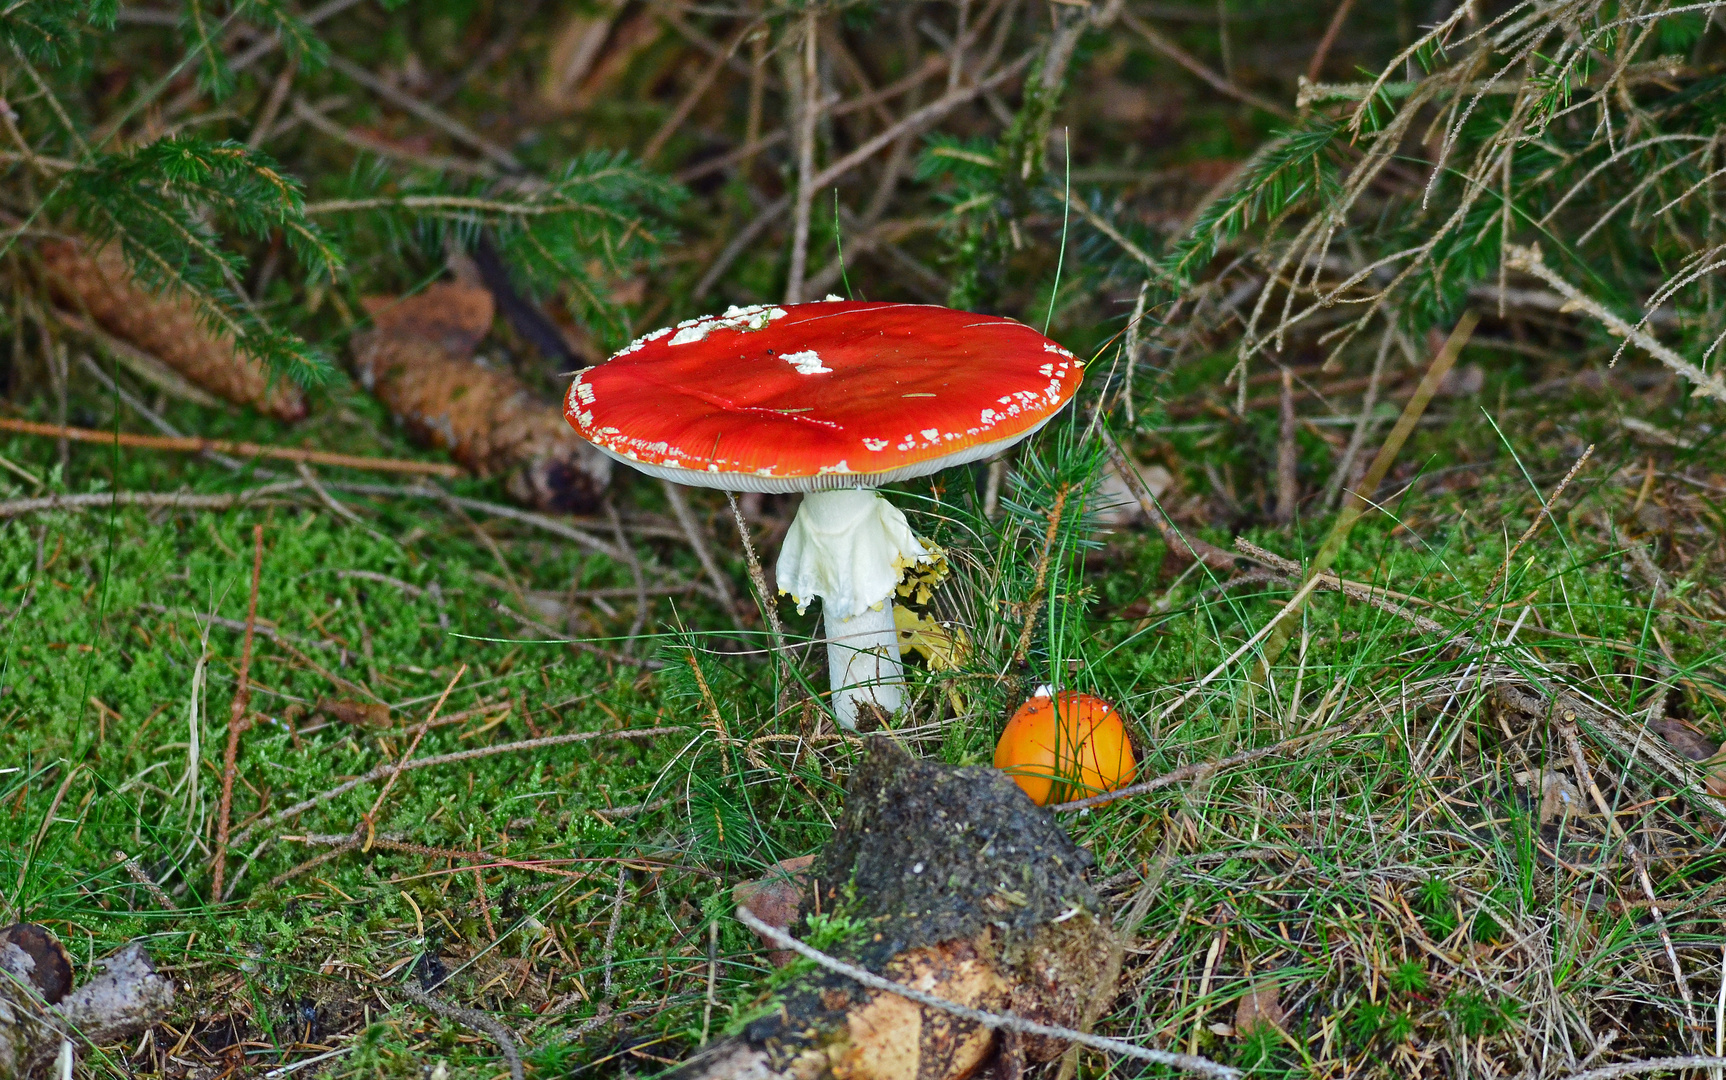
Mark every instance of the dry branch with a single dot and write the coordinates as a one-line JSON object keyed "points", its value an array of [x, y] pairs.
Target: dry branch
{"points": [[165, 326], [390, 768], [419, 362], [194, 445], [1528, 260], [167, 500]]}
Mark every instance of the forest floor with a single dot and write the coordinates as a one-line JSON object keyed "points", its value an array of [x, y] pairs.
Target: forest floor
{"points": [[1420, 881]]}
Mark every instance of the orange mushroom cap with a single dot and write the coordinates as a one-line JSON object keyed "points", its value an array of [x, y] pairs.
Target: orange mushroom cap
{"points": [[1065, 747]]}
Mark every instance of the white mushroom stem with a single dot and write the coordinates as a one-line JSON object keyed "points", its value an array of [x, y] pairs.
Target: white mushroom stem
{"points": [[848, 547], [863, 662]]}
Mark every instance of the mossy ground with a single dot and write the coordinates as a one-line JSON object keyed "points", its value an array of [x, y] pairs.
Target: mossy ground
{"points": [[1397, 880]]}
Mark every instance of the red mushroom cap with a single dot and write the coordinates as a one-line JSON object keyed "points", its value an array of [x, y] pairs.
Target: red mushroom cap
{"points": [[832, 394]]}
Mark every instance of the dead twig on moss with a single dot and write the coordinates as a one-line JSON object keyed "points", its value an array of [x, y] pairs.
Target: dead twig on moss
{"points": [[150, 500], [196, 445], [237, 719], [370, 822], [993, 1021], [472, 1018]]}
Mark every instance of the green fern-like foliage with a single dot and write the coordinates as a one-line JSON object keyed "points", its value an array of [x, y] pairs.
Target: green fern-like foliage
{"points": [[167, 205], [49, 32], [201, 26], [186, 209], [598, 217]]}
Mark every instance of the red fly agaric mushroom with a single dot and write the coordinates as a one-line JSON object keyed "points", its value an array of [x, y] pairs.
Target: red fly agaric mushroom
{"points": [[832, 399]]}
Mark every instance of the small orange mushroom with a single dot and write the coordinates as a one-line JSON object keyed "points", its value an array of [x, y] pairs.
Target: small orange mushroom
{"points": [[1065, 746]]}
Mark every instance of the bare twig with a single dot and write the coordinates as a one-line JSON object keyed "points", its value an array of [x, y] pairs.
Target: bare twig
{"points": [[239, 449], [1194, 771], [1528, 260], [698, 543], [992, 1021], [806, 113], [164, 500], [578, 644], [912, 122], [634, 561], [475, 1019], [1363, 423], [436, 117], [1316, 66], [1035, 600], [140, 878], [1660, 1065], [1192, 549], [408, 754], [696, 92], [1187, 60], [609, 955], [1359, 501], [1288, 459], [1534, 527], [237, 722], [758, 578]]}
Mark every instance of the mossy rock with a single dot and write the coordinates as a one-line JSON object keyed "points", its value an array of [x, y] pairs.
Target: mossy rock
{"points": [[952, 881]]}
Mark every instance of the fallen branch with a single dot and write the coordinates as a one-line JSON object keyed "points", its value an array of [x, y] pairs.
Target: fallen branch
{"points": [[1529, 261], [195, 445], [1193, 772], [171, 500], [992, 1021], [1637, 1068], [1183, 546], [475, 1019], [238, 721]]}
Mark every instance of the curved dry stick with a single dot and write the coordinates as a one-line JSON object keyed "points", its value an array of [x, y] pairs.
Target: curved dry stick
{"points": [[993, 1021]]}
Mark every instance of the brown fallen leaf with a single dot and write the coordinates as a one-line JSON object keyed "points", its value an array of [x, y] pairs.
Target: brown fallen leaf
{"points": [[98, 284], [775, 897], [1685, 739], [1698, 748], [418, 360], [1258, 1008], [363, 714]]}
